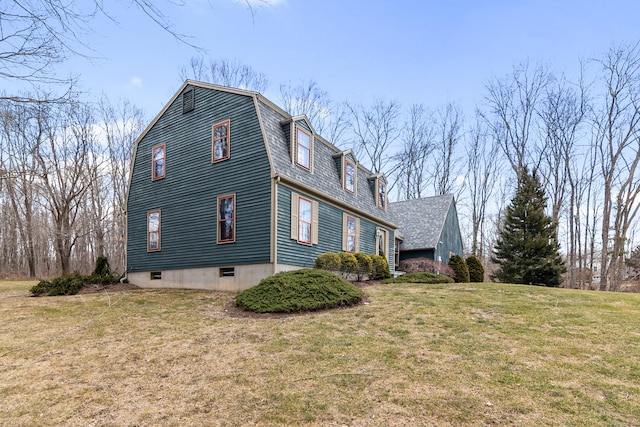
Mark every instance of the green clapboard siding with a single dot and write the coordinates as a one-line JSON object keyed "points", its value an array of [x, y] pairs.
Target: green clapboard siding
{"points": [[450, 237], [329, 232], [187, 196]]}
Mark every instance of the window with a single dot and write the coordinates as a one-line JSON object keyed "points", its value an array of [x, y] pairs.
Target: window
{"points": [[382, 195], [220, 134], [382, 241], [226, 219], [153, 231], [158, 162], [227, 271], [350, 176], [350, 233], [304, 220], [303, 149], [188, 101]]}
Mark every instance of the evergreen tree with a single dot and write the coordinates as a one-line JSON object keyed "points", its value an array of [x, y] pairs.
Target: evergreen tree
{"points": [[460, 269], [476, 270], [527, 248]]}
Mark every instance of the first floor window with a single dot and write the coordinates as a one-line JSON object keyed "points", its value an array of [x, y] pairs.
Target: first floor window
{"points": [[220, 143], [226, 219], [153, 231], [351, 232], [158, 164], [382, 242], [304, 220]]}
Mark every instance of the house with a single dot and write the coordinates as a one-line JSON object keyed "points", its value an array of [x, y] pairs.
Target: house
{"points": [[429, 228], [226, 188]]}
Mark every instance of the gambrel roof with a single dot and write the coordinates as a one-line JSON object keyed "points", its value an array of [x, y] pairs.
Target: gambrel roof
{"points": [[421, 220]]}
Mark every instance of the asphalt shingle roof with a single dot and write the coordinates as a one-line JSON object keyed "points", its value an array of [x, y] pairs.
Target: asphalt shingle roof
{"points": [[421, 220]]}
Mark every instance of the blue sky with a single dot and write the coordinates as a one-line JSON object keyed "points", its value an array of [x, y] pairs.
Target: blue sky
{"points": [[427, 52]]}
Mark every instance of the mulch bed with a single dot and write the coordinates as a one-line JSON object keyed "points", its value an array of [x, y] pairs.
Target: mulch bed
{"points": [[114, 287]]}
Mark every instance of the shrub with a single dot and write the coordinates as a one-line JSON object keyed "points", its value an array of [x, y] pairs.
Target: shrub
{"points": [[102, 267], [476, 270], [328, 261], [426, 265], [380, 268], [459, 268], [348, 263], [67, 284], [365, 266], [420, 278], [299, 290]]}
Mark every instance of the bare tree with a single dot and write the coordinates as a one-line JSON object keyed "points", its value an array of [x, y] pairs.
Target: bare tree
{"points": [[120, 125], [62, 155], [225, 72], [483, 168], [446, 168], [616, 125], [512, 104], [37, 35], [374, 130], [309, 99], [19, 174], [418, 136], [562, 112]]}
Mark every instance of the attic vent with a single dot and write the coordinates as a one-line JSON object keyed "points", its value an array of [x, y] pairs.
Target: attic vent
{"points": [[188, 102]]}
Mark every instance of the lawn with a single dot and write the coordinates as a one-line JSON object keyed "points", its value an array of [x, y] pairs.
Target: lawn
{"points": [[455, 354]]}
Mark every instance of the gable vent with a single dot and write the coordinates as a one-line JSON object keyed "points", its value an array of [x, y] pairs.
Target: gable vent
{"points": [[188, 101]]}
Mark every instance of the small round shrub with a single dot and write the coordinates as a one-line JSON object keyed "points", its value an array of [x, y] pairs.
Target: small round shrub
{"points": [[348, 263], [380, 267], [430, 278], [476, 270], [328, 261], [299, 290], [365, 265], [459, 268]]}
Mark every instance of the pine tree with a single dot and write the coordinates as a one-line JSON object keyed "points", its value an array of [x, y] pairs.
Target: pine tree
{"points": [[527, 248]]}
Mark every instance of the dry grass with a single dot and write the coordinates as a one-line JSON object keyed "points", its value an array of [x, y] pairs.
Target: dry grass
{"points": [[459, 354]]}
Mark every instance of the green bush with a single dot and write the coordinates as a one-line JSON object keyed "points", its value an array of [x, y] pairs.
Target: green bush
{"points": [[67, 284], [70, 284], [348, 263], [380, 267], [299, 290], [476, 270], [430, 278], [365, 266], [459, 268], [328, 261]]}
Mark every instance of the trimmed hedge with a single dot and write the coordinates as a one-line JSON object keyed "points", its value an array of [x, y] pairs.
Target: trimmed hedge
{"points": [[476, 270], [431, 278], [380, 268], [299, 290], [459, 268]]}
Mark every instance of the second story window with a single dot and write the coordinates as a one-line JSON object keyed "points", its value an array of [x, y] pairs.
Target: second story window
{"points": [[220, 141], [303, 148], [382, 195], [350, 177], [158, 162]]}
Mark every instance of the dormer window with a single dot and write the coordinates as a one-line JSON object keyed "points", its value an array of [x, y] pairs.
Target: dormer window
{"points": [[350, 176], [382, 194], [303, 148]]}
